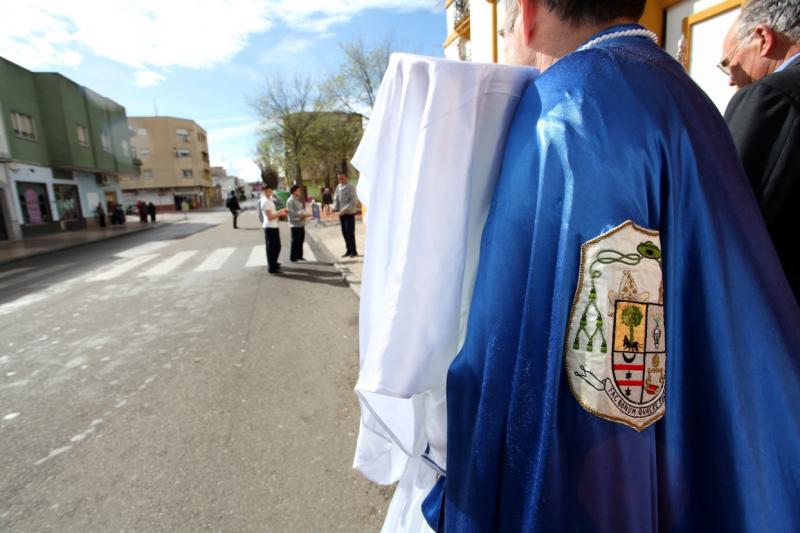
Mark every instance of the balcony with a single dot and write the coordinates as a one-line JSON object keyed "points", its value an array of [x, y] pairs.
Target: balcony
{"points": [[461, 12]]}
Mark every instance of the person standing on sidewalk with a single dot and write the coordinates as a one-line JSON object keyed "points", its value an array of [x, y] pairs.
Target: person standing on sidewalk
{"points": [[101, 215], [232, 203], [269, 216], [344, 202], [297, 222]]}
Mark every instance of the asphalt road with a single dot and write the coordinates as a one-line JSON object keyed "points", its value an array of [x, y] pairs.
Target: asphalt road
{"points": [[163, 381]]}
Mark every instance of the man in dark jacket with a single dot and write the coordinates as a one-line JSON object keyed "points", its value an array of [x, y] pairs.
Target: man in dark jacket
{"points": [[762, 57], [232, 203]]}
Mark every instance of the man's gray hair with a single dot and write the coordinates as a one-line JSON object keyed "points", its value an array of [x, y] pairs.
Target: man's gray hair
{"points": [[782, 16], [512, 12]]}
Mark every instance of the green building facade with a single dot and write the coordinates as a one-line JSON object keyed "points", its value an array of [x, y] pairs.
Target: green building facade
{"points": [[66, 147]]}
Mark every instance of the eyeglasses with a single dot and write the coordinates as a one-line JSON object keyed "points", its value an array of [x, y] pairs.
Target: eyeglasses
{"points": [[725, 64]]}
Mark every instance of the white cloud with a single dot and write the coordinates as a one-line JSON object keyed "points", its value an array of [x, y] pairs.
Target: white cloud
{"points": [[148, 34], [231, 132], [285, 50], [147, 78], [242, 167]]}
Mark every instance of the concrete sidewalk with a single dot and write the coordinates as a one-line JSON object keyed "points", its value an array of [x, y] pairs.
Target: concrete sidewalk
{"points": [[11, 251], [327, 234]]}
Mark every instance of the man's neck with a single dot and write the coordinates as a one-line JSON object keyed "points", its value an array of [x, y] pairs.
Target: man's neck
{"points": [[565, 37]]}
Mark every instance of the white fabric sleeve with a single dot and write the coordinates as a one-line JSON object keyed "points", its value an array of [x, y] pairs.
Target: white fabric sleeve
{"points": [[428, 162]]}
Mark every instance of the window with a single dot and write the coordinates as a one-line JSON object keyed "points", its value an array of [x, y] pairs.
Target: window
{"points": [[126, 148], [23, 125], [144, 152], [183, 153], [183, 134], [187, 172], [105, 141], [83, 135], [147, 174], [68, 202], [201, 137]]}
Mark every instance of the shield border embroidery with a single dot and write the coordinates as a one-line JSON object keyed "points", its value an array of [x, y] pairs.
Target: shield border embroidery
{"points": [[581, 279]]}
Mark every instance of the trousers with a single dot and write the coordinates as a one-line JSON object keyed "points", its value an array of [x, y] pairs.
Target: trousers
{"points": [[348, 223], [272, 237], [298, 237]]}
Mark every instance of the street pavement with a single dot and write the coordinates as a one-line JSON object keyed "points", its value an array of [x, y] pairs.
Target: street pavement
{"points": [[164, 381]]}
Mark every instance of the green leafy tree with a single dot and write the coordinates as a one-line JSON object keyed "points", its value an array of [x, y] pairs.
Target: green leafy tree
{"points": [[288, 109], [632, 317]]}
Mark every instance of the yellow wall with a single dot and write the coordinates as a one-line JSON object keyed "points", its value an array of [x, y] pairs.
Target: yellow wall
{"points": [[653, 17]]}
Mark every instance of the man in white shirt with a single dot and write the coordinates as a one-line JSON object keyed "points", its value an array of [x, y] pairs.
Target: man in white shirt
{"points": [[269, 222]]}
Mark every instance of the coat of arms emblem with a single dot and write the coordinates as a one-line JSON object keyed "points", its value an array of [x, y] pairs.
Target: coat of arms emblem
{"points": [[615, 348]]}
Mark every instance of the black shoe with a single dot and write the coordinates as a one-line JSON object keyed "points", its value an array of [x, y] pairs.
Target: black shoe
{"points": [[346, 255], [276, 271], [301, 258], [293, 260], [354, 254]]}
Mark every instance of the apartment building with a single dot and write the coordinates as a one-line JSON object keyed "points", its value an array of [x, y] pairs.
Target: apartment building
{"points": [[692, 31], [63, 148], [175, 164]]}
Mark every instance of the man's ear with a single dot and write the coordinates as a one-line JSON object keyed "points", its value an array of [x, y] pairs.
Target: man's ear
{"points": [[766, 37], [529, 10]]}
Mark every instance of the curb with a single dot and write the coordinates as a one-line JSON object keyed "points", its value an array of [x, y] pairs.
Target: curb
{"points": [[352, 280], [69, 246]]}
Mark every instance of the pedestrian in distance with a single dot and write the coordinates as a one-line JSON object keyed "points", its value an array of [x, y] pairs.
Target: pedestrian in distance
{"points": [[151, 211], [761, 56], [269, 216], [297, 222], [327, 200], [101, 215], [142, 209], [345, 202], [232, 203]]}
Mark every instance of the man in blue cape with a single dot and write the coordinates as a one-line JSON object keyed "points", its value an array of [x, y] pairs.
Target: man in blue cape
{"points": [[631, 360]]}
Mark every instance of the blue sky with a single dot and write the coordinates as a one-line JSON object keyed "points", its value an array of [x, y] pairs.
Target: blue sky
{"points": [[205, 59]]}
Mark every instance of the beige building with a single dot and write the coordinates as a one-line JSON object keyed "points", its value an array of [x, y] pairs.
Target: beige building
{"points": [[174, 163], [692, 31]]}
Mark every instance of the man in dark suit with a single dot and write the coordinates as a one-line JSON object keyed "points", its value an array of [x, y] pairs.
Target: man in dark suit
{"points": [[761, 56]]}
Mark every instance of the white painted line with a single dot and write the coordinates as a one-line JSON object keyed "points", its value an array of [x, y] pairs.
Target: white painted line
{"points": [[258, 257], [170, 264], [215, 260], [13, 271], [122, 266], [308, 255], [144, 249], [35, 274]]}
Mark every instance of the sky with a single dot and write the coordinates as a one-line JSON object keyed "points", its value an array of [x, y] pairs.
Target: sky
{"points": [[205, 60]]}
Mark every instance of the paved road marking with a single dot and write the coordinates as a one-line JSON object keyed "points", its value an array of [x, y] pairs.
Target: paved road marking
{"points": [[170, 264], [307, 253], [258, 257], [215, 260], [144, 249], [35, 274], [122, 266], [13, 271]]}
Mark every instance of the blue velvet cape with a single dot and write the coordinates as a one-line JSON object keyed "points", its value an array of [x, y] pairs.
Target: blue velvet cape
{"points": [[614, 133]]}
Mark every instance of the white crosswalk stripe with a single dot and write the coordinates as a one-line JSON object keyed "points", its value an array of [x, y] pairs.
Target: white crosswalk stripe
{"points": [[36, 274], [258, 257], [14, 271], [169, 264], [144, 249], [308, 255], [215, 260], [121, 267]]}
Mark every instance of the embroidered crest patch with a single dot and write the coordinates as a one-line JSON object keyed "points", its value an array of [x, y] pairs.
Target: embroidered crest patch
{"points": [[615, 348]]}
